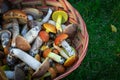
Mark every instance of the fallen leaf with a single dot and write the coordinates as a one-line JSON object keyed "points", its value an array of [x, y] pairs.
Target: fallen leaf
{"points": [[113, 28]]}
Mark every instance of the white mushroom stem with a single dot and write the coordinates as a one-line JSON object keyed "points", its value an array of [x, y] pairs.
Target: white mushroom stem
{"points": [[15, 32], [47, 17], [35, 47], [24, 30], [68, 48], [62, 52], [33, 33], [10, 74], [54, 23], [29, 60]]}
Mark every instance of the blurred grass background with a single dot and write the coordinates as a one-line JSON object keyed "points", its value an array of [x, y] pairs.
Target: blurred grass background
{"points": [[102, 61]]}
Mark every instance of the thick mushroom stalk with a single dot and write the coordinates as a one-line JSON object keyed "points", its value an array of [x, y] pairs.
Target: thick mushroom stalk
{"points": [[32, 34], [60, 39], [15, 32], [47, 53], [16, 16], [5, 36], [43, 37], [60, 17], [40, 68]]}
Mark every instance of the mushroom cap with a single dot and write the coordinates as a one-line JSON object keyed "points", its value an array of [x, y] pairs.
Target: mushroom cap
{"points": [[43, 69], [60, 38], [19, 74], [60, 68], [22, 43], [70, 29], [44, 36], [53, 72], [15, 14], [36, 14], [62, 13], [50, 27], [70, 61], [5, 31], [46, 52]]}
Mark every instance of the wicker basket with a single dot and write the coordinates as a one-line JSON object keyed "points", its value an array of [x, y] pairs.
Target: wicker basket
{"points": [[81, 38]]}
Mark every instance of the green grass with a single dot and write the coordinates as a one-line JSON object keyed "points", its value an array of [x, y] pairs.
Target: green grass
{"points": [[102, 61]]}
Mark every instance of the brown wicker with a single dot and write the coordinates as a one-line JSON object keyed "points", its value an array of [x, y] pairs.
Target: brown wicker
{"points": [[81, 38]]}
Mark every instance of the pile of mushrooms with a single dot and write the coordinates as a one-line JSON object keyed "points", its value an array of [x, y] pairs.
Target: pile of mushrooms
{"points": [[36, 44]]}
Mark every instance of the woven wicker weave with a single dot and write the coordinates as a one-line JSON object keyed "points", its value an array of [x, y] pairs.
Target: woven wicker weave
{"points": [[81, 38]]}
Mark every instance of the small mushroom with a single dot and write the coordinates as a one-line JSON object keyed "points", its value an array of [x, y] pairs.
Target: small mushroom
{"points": [[17, 74], [40, 68], [49, 27], [32, 33], [35, 13], [43, 37], [59, 17], [69, 59], [5, 36], [60, 39], [47, 53], [70, 30]]}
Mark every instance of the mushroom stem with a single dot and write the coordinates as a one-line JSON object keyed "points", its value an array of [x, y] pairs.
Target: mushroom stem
{"points": [[32, 34], [10, 74], [15, 32], [62, 52], [35, 47], [32, 62], [5, 36], [55, 57], [68, 48], [58, 23], [47, 17], [24, 30]]}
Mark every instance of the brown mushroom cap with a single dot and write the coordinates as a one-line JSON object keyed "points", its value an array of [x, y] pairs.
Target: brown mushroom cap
{"points": [[15, 14], [50, 27], [22, 43], [70, 61], [34, 12], [43, 69], [60, 38], [52, 72], [60, 68]]}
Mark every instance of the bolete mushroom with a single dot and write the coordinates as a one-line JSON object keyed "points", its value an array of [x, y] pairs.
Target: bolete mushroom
{"points": [[60, 39], [32, 33], [59, 68], [15, 16], [69, 59], [59, 17], [35, 13], [47, 53], [17, 74], [49, 27], [70, 30], [40, 68], [5, 36], [43, 36]]}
